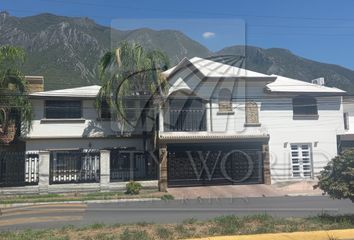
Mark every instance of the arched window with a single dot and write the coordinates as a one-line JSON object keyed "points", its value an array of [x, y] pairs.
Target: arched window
{"points": [[251, 113], [225, 100], [305, 105]]}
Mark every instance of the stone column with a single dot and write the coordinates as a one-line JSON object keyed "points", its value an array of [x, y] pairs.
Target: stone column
{"points": [[266, 164], [163, 168], [105, 169], [43, 171], [161, 118]]}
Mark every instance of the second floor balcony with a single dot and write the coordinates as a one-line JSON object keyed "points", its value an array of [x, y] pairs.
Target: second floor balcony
{"points": [[184, 115], [186, 120]]}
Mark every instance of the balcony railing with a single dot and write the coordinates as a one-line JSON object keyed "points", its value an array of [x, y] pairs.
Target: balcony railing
{"points": [[186, 120]]}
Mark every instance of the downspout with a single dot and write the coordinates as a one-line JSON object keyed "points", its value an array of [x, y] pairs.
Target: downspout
{"points": [[211, 115]]}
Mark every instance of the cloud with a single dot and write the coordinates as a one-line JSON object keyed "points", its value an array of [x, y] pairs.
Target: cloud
{"points": [[207, 35]]}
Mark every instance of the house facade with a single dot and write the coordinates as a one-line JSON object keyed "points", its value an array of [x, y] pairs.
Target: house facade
{"points": [[251, 127], [79, 147], [217, 124]]}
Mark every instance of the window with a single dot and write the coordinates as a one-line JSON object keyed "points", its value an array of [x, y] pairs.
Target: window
{"points": [[225, 100], [58, 109], [305, 105], [346, 120], [187, 114], [131, 108], [105, 110], [301, 160], [251, 113]]}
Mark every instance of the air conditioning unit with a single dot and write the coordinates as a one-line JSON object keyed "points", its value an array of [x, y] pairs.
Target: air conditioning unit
{"points": [[319, 81]]}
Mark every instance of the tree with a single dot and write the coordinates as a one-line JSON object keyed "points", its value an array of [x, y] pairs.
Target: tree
{"points": [[15, 108], [128, 71], [337, 178]]}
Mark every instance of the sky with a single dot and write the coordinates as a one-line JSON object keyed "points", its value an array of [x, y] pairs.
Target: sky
{"points": [[314, 29]]}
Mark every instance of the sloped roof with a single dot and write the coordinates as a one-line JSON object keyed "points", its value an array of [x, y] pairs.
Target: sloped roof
{"points": [[279, 84], [288, 85], [211, 68], [79, 92]]}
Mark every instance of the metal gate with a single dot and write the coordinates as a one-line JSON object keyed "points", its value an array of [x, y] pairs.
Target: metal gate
{"points": [[206, 164], [129, 165], [18, 169]]}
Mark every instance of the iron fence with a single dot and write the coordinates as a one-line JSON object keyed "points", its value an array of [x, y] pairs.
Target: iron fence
{"points": [[74, 167]]}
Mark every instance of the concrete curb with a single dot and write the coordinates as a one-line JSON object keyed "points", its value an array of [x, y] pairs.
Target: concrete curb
{"points": [[80, 202], [345, 234]]}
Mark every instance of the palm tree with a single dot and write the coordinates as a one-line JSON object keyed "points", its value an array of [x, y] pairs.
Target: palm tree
{"points": [[130, 71], [15, 108]]}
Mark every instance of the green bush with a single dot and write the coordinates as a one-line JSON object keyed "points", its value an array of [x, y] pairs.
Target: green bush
{"points": [[167, 197], [337, 177], [133, 188]]}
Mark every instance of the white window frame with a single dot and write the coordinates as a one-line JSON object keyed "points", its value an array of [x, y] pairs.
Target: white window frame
{"points": [[301, 160]]}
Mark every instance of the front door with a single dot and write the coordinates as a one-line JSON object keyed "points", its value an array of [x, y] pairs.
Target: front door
{"points": [[301, 159]]}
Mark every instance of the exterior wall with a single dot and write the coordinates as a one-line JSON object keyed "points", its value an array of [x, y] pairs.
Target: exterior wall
{"points": [[348, 107], [275, 117], [88, 126], [321, 133]]}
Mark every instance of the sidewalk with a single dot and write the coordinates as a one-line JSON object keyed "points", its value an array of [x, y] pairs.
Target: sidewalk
{"points": [[345, 234], [303, 188]]}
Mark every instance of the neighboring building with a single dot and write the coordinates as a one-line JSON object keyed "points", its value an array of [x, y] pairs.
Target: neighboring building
{"points": [[346, 139], [218, 124], [83, 145], [35, 83]]}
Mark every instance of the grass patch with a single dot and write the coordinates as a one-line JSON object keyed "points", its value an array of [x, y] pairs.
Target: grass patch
{"points": [[146, 193], [164, 233], [190, 228], [134, 235]]}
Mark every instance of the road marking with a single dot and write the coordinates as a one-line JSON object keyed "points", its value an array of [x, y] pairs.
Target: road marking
{"points": [[17, 221], [77, 205], [41, 211]]}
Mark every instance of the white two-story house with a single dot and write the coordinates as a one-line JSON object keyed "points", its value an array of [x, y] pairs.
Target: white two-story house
{"points": [[79, 144], [218, 124], [223, 124]]}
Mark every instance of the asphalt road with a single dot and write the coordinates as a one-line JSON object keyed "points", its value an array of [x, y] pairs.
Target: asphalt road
{"points": [[59, 215]]}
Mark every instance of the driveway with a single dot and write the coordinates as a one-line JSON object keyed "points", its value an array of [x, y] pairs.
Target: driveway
{"points": [[304, 188]]}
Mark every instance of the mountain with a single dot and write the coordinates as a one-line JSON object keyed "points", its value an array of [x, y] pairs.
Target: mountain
{"points": [[66, 51], [282, 62]]}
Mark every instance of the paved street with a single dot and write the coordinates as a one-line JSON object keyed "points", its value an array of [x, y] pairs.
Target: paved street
{"points": [[58, 215]]}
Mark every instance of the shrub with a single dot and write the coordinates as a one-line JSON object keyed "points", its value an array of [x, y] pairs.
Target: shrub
{"points": [[133, 188], [337, 177], [167, 197], [228, 224], [134, 235], [163, 233]]}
